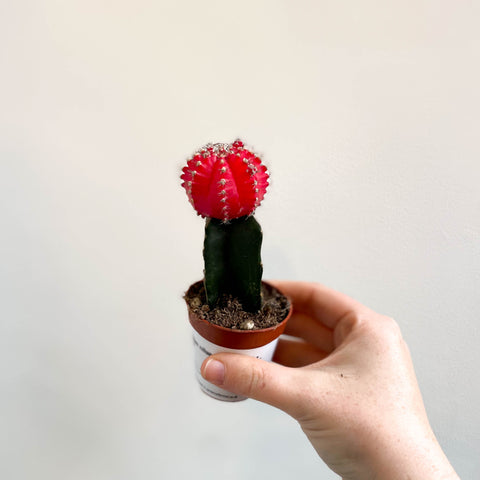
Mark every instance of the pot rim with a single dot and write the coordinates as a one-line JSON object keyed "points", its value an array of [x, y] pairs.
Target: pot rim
{"points": [[235, 338]]}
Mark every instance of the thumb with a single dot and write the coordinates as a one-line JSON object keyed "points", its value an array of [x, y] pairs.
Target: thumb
{"points": [[267, 382]]}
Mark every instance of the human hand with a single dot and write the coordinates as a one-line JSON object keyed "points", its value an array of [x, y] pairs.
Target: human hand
{"points": [[348, 379]]}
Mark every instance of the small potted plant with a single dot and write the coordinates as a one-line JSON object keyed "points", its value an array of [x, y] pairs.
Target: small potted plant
{"points": [[231, 309]]}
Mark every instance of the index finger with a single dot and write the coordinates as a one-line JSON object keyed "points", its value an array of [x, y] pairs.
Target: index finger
{"points": [[319, 302]]}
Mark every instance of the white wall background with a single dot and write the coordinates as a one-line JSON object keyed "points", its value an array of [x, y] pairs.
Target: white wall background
{"points": [[367, 114]]}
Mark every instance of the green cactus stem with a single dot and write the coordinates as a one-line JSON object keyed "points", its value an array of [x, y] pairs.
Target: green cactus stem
{"points": [[233, 262]]}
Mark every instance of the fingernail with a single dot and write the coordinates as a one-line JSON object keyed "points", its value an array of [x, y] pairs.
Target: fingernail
{"points": [[214, 371]]}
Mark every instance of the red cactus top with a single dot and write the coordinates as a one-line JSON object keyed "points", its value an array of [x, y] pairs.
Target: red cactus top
{"points": [[225, 181]]}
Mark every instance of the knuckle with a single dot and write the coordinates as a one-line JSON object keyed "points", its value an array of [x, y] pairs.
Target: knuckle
{"points": [[256, 381], [389, 330], [382, 327], [391, 326]]}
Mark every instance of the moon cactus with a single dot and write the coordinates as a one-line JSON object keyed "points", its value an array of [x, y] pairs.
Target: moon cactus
{"points": [[225, 183]]}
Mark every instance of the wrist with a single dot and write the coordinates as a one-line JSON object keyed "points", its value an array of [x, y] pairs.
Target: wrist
{"points": [[412, 453]]}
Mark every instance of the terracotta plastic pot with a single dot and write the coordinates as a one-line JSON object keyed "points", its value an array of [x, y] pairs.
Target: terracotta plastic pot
{"points": [[209, 339]]}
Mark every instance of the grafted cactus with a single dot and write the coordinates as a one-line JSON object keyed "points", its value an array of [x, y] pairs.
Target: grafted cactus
{"points": [[225, 183]]}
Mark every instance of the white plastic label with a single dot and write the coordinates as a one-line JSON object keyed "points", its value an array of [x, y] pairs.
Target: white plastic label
{"points": [[203, 349]]}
